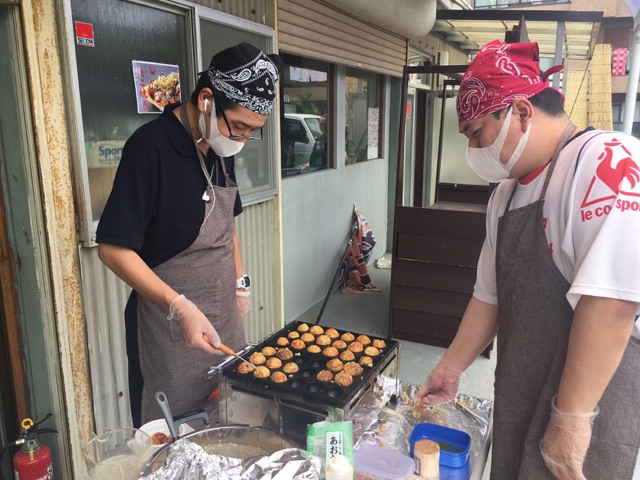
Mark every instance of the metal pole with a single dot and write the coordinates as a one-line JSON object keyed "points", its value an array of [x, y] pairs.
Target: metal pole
{"points": [[335, 277], [560, 29], [632, 86]]}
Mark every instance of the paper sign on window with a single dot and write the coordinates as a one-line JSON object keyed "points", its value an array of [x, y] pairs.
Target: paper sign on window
{"points": [[157, 85]]}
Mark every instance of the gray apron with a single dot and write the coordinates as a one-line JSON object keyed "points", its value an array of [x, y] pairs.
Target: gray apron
{"points": [[533, 334], [205, 273]]}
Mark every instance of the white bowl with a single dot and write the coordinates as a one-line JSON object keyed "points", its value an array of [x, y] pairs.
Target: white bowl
{"points": [[160, 425]]}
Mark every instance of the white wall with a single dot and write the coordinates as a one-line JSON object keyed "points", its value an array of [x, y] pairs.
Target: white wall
{"points": [[316, 222]]}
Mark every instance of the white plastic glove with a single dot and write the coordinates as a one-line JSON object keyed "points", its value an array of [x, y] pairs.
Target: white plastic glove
{"points": [[243, 301], [440, 386], [196, 328], [565, 443]]}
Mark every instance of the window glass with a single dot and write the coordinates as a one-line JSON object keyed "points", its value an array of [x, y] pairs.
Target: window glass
{"points": [[111, 103], [362, 107], [418, 59], [305, 100], [616, 112], [255, 173]]}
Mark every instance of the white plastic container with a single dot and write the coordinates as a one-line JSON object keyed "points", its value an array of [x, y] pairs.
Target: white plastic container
{"points": [[339, 468], [383, 463]]}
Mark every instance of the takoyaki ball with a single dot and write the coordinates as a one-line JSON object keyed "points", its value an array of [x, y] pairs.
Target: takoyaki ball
{"points": [[365, 361], [347, 356], [262, 372], [348, 337], [282, 341], [343, 379], [308, 337], [257, 358], [355, 347], [273, 363], [352, 368], [371, 352], [324, 376], [323, 340], [290, 367], [245, 368], [332, 333], [379, 343], [293, 335], [303, 327], [330, 352], [298, 344], [314, 349], [335, 365], [316, 330], [363, 339], [278, 377], [339, 344], [268, 351], [284, 354]]}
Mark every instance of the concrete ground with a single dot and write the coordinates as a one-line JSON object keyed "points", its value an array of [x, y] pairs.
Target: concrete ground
{"points": [[369, 314]]}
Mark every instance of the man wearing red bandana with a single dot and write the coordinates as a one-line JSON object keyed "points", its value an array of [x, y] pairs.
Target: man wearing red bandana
{"points": [[558, 278]]}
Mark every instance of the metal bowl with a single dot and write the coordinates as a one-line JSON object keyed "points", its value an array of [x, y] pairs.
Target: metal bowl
{"points": [[237, 441]]}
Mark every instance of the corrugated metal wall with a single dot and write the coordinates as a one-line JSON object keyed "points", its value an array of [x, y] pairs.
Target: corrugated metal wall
{"points": [[257, 232], [105, 296], [314, 30]]}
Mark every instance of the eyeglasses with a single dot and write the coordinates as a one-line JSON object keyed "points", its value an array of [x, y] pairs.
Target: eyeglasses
{"points": [[254, 135]]}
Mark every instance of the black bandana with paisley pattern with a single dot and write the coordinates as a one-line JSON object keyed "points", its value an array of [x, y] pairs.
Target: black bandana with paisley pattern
{"points": [[245, 75]]}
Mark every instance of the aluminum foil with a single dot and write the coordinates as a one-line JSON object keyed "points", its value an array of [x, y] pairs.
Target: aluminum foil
{"points": [[189, 461], [389, 420]]}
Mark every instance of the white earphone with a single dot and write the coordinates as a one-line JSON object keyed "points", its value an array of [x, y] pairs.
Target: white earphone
{"points": [[206, 104]]}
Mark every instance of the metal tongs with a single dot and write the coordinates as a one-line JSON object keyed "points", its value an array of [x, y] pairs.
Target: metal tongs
{"points": [[229, 351]]}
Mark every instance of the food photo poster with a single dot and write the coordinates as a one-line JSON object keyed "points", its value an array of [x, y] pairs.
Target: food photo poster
{"points": [[157, 85]]}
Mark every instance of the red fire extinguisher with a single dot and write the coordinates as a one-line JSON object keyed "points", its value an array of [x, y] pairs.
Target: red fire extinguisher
{"points": [[33, 460]]}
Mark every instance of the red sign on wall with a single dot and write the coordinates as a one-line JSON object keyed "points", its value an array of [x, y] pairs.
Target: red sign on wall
{"points": [[84, 34]]}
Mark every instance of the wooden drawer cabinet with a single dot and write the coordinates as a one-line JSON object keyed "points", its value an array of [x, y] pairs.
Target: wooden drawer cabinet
{"points": [[435, 256]]}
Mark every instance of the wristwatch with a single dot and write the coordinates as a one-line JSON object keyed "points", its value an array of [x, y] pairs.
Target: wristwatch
{"points": [[243, 282]]}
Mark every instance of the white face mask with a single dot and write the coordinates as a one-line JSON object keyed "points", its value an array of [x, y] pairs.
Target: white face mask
{"points": [[223, 146], [485, 161]]}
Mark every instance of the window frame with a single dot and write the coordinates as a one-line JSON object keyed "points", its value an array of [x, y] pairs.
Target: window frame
{"points": [[380, 80], [331, 116], [192, 13], [272, 126]]}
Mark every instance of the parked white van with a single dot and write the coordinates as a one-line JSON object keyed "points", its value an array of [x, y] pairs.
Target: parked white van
{"points": [[304, 128]]}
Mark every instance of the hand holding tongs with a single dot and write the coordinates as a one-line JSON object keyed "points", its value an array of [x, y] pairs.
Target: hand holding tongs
{"points": [[223, 348]]}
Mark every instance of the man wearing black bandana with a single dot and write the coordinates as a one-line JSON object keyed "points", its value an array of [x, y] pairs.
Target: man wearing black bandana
{"points": [[168, 231]]}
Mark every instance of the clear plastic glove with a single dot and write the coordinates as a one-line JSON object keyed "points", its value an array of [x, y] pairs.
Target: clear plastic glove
{"points": [[243, 300], [196, 328], [565, 443], [440, 386]]}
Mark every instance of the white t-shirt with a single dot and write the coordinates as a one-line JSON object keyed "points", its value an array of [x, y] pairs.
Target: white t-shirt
{"points": [[591, 219]]}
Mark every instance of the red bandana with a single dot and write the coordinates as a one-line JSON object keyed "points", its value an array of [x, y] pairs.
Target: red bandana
{"points": [[499, 75]]}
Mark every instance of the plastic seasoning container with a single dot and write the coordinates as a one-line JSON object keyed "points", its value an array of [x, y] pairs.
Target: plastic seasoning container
{"points": [[339, 468], [454, 444], [382, 462]]}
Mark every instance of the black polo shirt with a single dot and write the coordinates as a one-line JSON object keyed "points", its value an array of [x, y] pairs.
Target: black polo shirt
{"points": [[155, 206]]}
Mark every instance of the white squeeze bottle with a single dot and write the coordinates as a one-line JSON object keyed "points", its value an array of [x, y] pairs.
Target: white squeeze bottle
{"points": [[339, 468]]}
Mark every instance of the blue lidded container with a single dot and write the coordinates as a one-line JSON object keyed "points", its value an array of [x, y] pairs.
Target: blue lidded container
{"points": [[454, 444]]}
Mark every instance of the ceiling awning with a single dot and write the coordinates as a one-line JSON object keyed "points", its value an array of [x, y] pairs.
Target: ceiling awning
{"points": [[471, 29]]}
